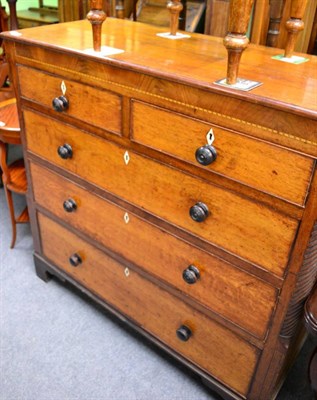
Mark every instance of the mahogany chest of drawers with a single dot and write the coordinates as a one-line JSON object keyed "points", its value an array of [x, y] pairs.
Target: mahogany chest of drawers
{"points": [[186, 208]]}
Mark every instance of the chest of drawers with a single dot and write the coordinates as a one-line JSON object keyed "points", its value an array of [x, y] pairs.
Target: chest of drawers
{"points": [[208, 250]]}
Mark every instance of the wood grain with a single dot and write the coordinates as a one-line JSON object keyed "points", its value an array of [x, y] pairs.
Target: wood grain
{"points": [[238, 157], [205, 56], [80, 98], [216, 20], [168, 193], [305, 283], [96, 16], [259, 224], [215, 349], [295, 127], [238, 296]]}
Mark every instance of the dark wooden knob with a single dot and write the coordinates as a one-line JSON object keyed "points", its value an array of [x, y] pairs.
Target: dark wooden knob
{"points": [[205, 155], [199, 212], [70, 205], [65, 151], [60, 103], [75, 260], [183, 333], [191, 274]]}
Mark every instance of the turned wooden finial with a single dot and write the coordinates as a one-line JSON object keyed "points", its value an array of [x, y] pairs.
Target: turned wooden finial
{"points": [[276, 10], [236, 40], [96, 17], [174, 7], [294, 25], [120, 9]]}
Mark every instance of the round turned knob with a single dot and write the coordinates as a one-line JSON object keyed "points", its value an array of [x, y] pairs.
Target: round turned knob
{"points": [[75, 260], [199, 212], [183, 333], [70, 205], [60, 103], [205, 155], [65, 151], [191, 274]]}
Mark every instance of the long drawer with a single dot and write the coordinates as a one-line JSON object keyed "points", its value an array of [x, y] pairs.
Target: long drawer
{"points": [[213, 348], [168, 193], [254, 162], [266, 167], [234, 294], [106, 115]]}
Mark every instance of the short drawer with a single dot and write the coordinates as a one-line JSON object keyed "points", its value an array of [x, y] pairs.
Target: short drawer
{"points": [[246, 228], [42, 88], [255, 163], [210, 346], [234, 294]]}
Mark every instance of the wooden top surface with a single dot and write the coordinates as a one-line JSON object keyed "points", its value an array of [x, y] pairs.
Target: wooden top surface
{"points": [[199, 60]]}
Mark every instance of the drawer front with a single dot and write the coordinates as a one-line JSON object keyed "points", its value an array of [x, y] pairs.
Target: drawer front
{"points": [[240, 297], [211, 347], [105, 112], [255, 163], [248, 229]]}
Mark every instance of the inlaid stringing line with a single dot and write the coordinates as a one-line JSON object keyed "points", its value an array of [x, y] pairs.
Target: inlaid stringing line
{"points": [[172, 101]]}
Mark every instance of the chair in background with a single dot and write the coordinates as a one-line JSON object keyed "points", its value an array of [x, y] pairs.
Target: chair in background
{"points": [[13, 14], [5, 89], [14, 175]]}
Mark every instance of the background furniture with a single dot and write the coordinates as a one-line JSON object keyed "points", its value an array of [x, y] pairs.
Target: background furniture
{"points": [[13, 14], [4, 67], [73, 10], [311, 324], [13, 175], [32, 16], [5, 90], [265, 12], [210, 17], [155, 12]]}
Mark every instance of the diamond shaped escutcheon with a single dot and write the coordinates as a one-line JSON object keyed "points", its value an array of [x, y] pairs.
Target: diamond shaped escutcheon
{"points": [[126, 158], [63, 88], [126, 218]]}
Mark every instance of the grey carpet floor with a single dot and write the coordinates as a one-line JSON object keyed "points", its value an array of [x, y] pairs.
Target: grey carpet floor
{"points": [[58, 345]]}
